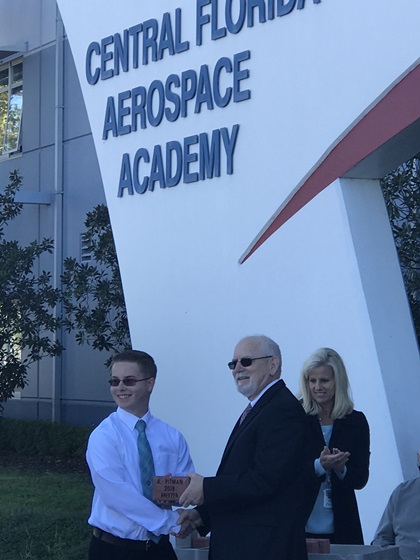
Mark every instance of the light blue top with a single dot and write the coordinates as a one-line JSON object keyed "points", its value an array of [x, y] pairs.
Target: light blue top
{"points": [[321, 520]]}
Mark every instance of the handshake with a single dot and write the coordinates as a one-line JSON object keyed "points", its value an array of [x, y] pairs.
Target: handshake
{"points": [[185, 491]]}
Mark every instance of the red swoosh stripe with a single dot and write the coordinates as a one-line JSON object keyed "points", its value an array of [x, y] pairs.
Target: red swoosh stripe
{"points": [[397, 108]]}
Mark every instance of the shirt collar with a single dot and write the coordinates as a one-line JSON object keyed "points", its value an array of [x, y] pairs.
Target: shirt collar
{"points": [[263, 391], [130, 419]]}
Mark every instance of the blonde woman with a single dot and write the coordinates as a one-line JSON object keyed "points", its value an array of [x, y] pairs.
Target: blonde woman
{"points": [[338, 446]]}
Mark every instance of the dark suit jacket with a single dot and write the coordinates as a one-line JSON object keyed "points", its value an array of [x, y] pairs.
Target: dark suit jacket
{"points": [[254, 504], [350, 433]]}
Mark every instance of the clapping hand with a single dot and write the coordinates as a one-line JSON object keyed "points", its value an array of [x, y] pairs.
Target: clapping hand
{"points": [[334, 460]]}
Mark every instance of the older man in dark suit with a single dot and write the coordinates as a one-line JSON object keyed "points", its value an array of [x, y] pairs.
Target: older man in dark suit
{"points": [[253, 506]]}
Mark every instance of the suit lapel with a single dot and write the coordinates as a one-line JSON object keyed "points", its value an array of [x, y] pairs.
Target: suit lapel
{"points": [[239, 428]]}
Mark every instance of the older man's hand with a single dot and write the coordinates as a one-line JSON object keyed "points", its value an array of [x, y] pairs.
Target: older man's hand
{"points": [[194, 494], [189, 519]]}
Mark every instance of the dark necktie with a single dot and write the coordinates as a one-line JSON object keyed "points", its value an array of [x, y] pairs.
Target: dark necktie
{"points": [[245, 413], [147, 466]]}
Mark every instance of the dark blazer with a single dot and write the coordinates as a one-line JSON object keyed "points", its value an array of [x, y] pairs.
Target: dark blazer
{"points": [[350, 433], [254, 504]]}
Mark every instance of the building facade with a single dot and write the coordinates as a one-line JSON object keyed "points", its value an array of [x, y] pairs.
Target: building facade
{"points": [[45, 135]]}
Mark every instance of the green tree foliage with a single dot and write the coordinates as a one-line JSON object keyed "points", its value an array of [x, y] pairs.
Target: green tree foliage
{"points": [[27, 301], [401, 190], [93, 297]]}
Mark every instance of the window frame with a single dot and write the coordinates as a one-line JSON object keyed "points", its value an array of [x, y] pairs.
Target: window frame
{"points": [[9, 89]]}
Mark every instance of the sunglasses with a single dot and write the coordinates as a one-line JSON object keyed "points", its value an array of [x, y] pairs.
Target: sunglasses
{"points": [[127, 382], [245, 362]]}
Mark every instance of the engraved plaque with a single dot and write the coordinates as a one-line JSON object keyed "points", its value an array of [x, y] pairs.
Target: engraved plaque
{"points": [[168, 489]]}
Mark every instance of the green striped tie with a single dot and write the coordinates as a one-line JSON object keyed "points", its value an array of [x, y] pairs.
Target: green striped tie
{"points": [[147, 466]]}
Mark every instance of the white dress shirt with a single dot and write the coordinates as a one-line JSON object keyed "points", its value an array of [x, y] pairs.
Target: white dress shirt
{"points": [[119, 506]]}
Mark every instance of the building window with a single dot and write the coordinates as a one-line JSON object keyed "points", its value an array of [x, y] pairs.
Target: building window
{"points": [[85, 249], [11, 105]]}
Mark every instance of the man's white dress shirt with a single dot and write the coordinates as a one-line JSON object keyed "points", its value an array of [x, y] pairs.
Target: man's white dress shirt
{"points": [[119, 506]]}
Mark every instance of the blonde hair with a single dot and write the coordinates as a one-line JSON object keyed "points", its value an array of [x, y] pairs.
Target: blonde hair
{"points": [[343, 403]]}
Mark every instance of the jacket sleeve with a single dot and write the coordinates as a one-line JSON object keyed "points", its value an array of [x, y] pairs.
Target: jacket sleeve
{"points": [[353, 436]]}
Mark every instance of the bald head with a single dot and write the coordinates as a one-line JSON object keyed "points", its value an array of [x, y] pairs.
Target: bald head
{"points": [[265, 366], [266, 346]]}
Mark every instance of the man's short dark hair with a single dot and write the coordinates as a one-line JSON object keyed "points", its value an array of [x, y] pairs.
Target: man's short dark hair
{"points": [[144, 361]]}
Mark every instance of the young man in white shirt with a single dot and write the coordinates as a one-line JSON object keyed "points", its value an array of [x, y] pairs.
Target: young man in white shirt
{"points": [[128, 525]]}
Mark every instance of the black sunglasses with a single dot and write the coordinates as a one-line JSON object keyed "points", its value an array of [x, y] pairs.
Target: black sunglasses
{"points": [[128, 381], [245, 362]]}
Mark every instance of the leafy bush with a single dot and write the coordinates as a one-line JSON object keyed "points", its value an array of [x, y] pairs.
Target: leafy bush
{"points": [[401, 189], [28, 299], [93, 297], [37, 437]]}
